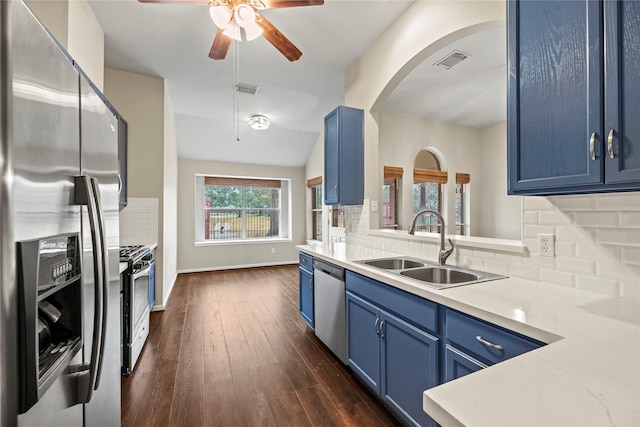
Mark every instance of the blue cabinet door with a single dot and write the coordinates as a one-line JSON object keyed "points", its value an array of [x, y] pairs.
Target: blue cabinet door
{"points": [[363, 328], [622, 91], [555, 91], [306, 296], [458, 364], [331, 158], [409, 367], [344, 156]]}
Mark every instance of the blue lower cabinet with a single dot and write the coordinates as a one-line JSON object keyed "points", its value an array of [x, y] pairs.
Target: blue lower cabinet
{"points": [[363, 321], [396, 359], [459, 364], [306, 295], [410, 366]]}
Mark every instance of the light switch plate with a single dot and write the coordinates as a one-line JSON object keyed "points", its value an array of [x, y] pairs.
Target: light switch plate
{"points": [[374, 206]]}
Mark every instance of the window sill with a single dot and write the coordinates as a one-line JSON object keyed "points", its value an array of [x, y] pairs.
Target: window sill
{"points": [[240, 242]]}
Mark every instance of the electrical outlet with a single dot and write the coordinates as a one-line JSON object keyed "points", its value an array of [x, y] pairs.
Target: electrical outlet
{"points": [[547, 245], [374, 206], [273, 250]]}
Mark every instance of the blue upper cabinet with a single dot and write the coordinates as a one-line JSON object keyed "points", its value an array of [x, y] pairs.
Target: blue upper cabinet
{"points": [[564, 102], [622, 95], [344, 156]]}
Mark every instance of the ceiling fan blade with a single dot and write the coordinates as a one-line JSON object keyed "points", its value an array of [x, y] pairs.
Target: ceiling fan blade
{"points": [[277, 4], [220, 46], [198, 2], [278, 40]]}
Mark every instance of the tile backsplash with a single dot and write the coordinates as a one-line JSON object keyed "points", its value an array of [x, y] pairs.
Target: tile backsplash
{"points": [[597, 243], [139, 222]]}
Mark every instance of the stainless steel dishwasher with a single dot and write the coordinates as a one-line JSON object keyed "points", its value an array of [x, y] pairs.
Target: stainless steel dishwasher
{"points": [[329, 307]]}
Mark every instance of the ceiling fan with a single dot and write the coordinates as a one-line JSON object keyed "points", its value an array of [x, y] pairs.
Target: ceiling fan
{"points": [[233, 17]]}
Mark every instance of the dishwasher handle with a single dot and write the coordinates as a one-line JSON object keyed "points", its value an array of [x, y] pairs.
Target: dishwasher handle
{"points": [[330, 269]]}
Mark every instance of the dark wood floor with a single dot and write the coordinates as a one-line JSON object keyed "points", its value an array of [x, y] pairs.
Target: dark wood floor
{"points": [[232, 350]]}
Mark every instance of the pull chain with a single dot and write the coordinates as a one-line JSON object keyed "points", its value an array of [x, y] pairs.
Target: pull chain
{"points": [[236, 76]]}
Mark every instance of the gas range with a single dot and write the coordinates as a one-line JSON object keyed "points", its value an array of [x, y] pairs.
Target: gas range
{"points": [[133, 253]]}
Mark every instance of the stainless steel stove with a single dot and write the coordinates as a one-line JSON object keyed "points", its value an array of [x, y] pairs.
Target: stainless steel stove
{"points": [[138, 297]]}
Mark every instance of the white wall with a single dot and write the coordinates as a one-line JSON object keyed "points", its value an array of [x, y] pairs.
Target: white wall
{"points": [[146, 106], [500, 214], [403, 136], [217, 256], [170, 198]]}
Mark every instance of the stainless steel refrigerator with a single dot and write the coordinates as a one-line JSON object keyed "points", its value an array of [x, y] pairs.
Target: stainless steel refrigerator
{"points": [[59, 238]]}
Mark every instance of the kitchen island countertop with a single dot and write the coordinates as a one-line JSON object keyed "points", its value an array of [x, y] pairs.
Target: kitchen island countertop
{"points": [[588, 374]]}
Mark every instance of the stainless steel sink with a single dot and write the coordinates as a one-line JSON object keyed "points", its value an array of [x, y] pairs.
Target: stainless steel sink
{"points": [[440, 275], [394, 263], [430, 273]]}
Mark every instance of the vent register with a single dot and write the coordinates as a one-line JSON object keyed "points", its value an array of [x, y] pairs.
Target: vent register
{"points": [[451, 60]]}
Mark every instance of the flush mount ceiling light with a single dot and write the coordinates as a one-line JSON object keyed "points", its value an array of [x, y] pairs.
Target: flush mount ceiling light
{"points": [[451, 60], [259, 122]]}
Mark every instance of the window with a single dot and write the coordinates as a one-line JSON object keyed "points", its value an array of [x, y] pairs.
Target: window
{"points": [[315, 185], [427, 194], [390, 196], [461, 204], [242, 208]]}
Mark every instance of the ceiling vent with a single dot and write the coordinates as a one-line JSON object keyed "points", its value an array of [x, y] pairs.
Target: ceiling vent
{"points": [[246, 88], [451, 60]]}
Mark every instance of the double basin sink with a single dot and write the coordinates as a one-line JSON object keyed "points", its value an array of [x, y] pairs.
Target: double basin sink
{"points": [[429, 273]]}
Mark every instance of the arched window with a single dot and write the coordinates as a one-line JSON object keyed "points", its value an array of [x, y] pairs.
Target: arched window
{"points": [[427, 189]]}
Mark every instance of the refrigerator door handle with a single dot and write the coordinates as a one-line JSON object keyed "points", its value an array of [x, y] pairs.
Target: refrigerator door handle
{"points": [[85, 195], [105, 277]]}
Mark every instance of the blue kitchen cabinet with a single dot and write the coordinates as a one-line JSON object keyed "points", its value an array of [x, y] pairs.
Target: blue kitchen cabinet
{"points": [[473, 344], [409, 366], [458, 364], [395, 356], [363, 331], [306, 288], [572, 91], [344, 156]]}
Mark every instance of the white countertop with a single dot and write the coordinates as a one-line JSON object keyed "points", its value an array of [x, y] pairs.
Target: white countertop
{"points": [[588, 374]]}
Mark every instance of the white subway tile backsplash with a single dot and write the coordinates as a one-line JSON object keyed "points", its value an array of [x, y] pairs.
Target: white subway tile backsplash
{"points": [[524, 271], [615, 270], [557, 277], [554, 218], [596, 219], [530, 217], [590, 250], [565, 249], [598, 284], [496, 267], [630, 290], [574, 203], [630, 255], [630, 219], [575, 234], [139, 221], [617, 201], [538, 204], [618, 236], [533, 230], [576, 265]]}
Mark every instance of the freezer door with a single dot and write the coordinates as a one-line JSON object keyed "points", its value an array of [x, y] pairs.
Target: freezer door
{"points": [[44, 153], [99, 159]]}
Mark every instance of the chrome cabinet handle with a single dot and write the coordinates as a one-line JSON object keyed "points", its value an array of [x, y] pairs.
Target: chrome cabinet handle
{"points": [[376, 326], [489, 344], [612, 155], [335, 189], [382, 329], [592, 142], [119, 184]]}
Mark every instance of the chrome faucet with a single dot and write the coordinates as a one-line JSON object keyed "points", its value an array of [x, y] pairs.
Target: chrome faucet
{"points": [[444, 253]]}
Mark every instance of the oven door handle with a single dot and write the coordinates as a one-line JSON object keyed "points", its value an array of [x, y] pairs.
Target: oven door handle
{"points": [[85, 195], [144, 272]]}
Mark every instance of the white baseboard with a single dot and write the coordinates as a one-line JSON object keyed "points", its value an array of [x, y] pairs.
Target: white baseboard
{"points": [[235, 267]]}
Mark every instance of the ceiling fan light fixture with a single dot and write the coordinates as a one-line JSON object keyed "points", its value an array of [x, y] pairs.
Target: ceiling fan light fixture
{"points": [[259, 122], [244, 15], [233, 31], [252, 31], [220, 15]]}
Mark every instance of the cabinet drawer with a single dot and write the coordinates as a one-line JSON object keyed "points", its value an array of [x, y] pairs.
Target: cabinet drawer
{"points": [[306, 261], [412, 308], [466, 332]]}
